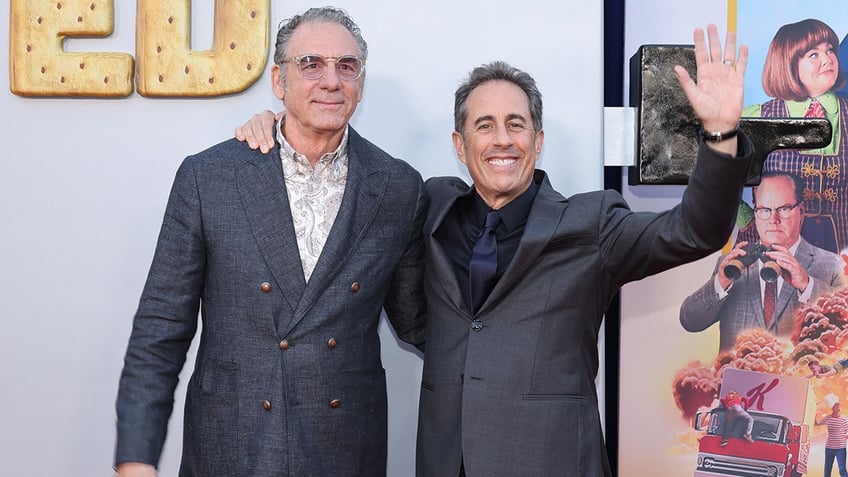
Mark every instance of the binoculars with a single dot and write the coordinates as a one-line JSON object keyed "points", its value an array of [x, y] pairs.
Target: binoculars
{"points": [[753, 252]]}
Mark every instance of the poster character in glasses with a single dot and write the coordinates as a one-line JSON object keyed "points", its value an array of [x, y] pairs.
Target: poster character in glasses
{"points": [[765, 292]]}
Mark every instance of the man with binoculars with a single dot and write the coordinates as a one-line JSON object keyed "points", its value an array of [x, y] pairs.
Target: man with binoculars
{"points": [[762, 284]]}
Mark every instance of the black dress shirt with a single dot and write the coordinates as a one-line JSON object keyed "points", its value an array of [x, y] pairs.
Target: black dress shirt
{"points": [[463, 223]]}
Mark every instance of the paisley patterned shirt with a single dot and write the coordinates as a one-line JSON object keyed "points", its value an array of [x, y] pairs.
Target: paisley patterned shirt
{"points": [[315, 195]]}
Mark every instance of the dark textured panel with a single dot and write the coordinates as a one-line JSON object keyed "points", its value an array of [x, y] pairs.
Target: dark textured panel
{"points": [[667, 138]]}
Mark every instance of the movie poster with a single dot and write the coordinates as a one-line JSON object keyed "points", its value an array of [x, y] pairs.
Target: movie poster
{"points": [[733, 365]]}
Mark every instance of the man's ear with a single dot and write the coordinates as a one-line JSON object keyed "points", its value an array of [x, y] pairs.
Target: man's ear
{"points": [[540, 138], [459, 145], [277, 81]]}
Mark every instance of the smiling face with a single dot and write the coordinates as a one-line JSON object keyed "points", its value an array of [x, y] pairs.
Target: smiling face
{"points": [[818, 69], [498, 143], [320, 107]]}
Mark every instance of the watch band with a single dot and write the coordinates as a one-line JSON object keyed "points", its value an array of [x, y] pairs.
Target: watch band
{"points": [[718, 136]]}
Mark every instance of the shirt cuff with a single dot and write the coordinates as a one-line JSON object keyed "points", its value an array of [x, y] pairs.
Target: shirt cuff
{"points": [[720, 291]]}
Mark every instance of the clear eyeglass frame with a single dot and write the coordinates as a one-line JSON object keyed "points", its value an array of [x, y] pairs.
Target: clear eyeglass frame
{"points": [[313, 66]]}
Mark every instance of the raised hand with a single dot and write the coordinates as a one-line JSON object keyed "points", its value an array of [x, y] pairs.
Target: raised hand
{"points": [[716, 95]]}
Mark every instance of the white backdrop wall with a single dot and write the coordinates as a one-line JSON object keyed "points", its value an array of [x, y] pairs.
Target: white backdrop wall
{"points": [[84, 184]]}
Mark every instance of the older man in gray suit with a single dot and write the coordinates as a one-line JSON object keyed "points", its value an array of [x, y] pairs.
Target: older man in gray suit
{"points": [[291, 257], [755, 299]]}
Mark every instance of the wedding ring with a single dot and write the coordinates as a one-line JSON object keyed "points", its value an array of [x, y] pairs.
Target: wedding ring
{"points": [[728, 62]]}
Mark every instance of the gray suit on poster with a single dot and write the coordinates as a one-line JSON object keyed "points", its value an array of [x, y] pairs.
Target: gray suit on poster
{"points": [[742, 308], [288, 377], [511, 389]]}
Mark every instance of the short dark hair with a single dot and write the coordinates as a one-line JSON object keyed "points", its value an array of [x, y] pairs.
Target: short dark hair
{"points": [[497, 71]]}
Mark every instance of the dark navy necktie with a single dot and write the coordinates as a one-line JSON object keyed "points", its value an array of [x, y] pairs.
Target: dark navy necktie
{"points": [[483, 267]]}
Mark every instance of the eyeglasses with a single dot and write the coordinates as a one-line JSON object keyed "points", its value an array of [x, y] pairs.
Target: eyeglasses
{"points": [[784, 212], [312, 66]]}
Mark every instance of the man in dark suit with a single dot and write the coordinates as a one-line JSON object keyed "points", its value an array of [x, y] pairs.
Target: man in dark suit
{"points": [[754, 300], [508, 382], [290, 257]]}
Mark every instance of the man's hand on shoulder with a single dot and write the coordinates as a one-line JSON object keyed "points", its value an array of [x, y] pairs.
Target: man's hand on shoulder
{"points": [[258, 131], [135, 469]]}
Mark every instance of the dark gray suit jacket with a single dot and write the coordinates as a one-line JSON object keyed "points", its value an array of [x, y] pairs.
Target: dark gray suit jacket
{"points": [[288, 378], [742, 308], [517, 395]]}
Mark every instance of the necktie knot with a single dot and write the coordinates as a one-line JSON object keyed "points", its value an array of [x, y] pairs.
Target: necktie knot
{"points": [[493, 219], [816, 110]]}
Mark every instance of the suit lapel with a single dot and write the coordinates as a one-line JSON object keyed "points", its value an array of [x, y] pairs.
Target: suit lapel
{"points": [[263, 194], [437, 258], [366, 184], [545, 216]]}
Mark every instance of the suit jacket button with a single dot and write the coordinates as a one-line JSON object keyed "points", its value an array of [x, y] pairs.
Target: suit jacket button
{"points": [[266, 405], [265, 287], [335, 403], [354, 287], [331, 343], [476, 325], [284, 345]]}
